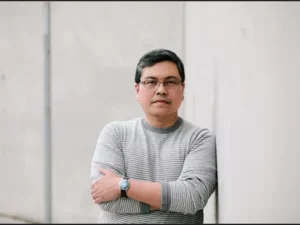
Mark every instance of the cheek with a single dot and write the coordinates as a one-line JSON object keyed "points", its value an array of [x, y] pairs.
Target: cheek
{"points": [[178, 95], [177, 98], [144, 98]]}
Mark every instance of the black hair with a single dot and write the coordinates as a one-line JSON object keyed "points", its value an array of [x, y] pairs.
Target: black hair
{"points": [[155, 56]]}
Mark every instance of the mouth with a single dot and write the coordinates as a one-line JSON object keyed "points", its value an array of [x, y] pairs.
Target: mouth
{"points": [[162, 101]]}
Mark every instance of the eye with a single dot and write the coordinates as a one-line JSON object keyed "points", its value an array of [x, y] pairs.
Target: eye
{"points": [[170, 82], [151, 82]]}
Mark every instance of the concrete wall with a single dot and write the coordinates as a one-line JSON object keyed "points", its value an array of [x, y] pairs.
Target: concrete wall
{"points": [[241, 62], [242, 59], [21, 109], [199, 103], [95, 48]]}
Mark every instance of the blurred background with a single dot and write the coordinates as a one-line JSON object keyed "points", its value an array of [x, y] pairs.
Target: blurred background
{"points": [[242, 63]]}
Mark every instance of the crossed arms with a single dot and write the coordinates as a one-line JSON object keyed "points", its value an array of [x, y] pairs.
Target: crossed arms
{"points": [[188, 194]]}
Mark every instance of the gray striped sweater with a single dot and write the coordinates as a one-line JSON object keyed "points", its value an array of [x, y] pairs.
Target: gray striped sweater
{"points": [[182, 158]]}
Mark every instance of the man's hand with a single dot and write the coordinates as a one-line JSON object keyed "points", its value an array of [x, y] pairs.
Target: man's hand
{"points": [[153, 208], [106, 188]]}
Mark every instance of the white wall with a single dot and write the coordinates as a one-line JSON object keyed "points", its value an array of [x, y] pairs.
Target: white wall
{"points": [[241, 63], [244, 59], [21, 109], [199, 102], [95, 48]]}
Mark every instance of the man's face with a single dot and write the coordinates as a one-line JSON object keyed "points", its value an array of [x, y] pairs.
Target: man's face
{"points": [[159, 100]]}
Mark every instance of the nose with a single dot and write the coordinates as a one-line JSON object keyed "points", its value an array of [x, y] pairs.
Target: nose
{"points": [[161, 90]]}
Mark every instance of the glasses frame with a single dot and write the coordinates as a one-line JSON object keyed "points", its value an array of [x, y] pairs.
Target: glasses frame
{"points": [[164, 83]]}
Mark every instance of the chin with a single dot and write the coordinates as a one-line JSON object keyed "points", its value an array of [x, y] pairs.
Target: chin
{"points": [[160, 113]]}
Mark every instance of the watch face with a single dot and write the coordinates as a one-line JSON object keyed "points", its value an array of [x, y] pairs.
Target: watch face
{"points": [[124, 184]]}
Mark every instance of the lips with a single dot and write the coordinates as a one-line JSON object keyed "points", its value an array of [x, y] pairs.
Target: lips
{"points": [[161, 101]]}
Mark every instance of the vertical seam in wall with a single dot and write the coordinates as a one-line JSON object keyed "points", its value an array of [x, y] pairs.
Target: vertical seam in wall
{"points": [[183, 47], [183, 20], [215, 113], [214, 121], [47, 113]]}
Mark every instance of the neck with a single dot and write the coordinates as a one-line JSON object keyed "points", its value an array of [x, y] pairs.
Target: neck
{"points": [[162, 122]]}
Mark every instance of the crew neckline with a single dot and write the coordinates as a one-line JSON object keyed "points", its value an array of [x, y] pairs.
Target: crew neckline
{"points": [[166, 130]]}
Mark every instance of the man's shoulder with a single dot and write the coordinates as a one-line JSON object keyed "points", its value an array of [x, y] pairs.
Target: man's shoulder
{"points": [[197, 134], [193, 128], [120, 124]]}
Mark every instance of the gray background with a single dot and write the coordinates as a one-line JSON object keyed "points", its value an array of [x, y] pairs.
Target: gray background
{"points": [[242, 68]]}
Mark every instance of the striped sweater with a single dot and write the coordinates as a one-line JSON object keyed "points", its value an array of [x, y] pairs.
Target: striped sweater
{"points": [[182, 158]]}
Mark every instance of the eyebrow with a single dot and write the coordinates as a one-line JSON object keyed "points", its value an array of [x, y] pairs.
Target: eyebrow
{"points": [[168, 77]]}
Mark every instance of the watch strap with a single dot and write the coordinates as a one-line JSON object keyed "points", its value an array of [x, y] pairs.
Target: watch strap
{"points": [[123, 192]]}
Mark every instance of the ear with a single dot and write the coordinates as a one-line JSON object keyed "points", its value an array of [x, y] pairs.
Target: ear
{"points": [[183, 86]]}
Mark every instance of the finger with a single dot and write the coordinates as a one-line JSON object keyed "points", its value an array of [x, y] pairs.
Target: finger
{"points": [[94, 185], [94, 196], [95, 188], [97, 200], [93, 191], [97, 182]]}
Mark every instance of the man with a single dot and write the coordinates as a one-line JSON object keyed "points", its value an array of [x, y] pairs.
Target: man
{"points": [[158, 168]]}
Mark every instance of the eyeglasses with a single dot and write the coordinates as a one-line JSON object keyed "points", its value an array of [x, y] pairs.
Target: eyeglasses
{"points": [[169, 84]]}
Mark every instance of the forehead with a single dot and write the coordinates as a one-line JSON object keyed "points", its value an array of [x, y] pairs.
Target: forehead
{"points": [[161, 70]]}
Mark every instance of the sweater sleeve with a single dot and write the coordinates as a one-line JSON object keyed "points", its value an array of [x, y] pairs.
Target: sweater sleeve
{"points": [[109, 155], [198, 179]]}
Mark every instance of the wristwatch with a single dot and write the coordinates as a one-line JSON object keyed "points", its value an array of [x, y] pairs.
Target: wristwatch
{"points": [[124, 185]]}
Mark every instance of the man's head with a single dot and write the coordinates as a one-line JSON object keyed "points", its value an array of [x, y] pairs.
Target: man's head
{"points": [[159, 82]]}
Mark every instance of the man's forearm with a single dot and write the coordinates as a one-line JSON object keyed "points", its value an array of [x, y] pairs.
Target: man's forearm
{"points": [[146, 191], [124, 206]]}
